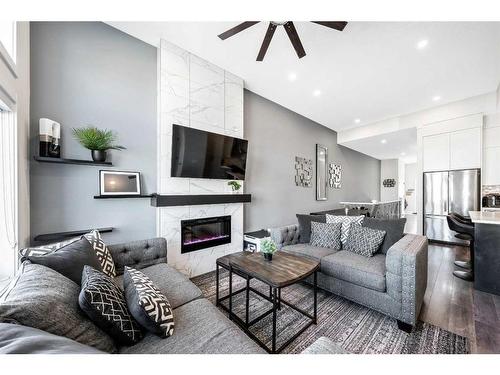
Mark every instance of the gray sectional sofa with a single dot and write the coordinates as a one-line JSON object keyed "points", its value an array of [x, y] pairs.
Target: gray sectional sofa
{"points": [[393, 283], [199, 326]]}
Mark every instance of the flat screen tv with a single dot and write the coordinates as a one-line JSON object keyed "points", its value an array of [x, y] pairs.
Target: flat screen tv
{"points": [[200, 154]]}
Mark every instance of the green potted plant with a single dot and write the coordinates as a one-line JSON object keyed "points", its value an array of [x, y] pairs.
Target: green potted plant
{"points": [[97, 141], [235, 186], [267, 248]]}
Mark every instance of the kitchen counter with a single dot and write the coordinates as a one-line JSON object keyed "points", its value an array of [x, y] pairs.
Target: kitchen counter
{"points": [[486, 250], [485, 217]]}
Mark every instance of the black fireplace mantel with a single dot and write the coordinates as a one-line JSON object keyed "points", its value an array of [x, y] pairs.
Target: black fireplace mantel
{"points": [[159, 200]]}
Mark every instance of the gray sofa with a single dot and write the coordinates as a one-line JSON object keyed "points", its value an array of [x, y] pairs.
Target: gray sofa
{"points": [[199, 326], [392, 283]]}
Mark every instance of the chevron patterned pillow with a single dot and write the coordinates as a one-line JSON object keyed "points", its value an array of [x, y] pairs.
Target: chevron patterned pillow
{"points": [[104, 303], [346, 224], [102, 252], [364, 241], [147, 303]]}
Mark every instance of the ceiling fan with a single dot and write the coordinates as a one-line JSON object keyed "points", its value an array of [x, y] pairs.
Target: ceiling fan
{"points": [[290, 30]]}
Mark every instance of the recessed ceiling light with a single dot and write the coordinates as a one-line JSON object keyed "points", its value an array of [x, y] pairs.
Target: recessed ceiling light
{"points": [[422, 44], [292, 77], [316, 92], [357, 120], [436, 98], [383, 141], [403, 153]]}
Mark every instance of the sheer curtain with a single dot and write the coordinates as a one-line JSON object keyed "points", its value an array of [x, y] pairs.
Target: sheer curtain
{"points": [[8, 193]]}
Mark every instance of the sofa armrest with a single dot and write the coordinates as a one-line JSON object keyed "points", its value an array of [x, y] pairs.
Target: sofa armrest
{"points": [[286, 235], [406, 274], [139, 254]]}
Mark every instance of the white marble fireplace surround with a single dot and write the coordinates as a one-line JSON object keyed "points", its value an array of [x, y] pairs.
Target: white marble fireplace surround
{"points": [[195, 93]]}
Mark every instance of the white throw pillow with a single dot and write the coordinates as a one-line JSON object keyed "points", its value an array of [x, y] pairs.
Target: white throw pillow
{"points": [[346, 224]]}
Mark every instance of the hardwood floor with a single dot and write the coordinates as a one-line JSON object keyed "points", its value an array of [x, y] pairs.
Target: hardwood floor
{"points": [[453, 304]]}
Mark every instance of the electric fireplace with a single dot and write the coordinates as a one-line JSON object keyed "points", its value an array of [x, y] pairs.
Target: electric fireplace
{"points": [[199, 234]]}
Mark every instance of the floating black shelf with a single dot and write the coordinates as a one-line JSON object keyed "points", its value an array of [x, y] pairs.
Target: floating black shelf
{"points": [[158, 200], [62, 235], [71, 161], [121, 196]]}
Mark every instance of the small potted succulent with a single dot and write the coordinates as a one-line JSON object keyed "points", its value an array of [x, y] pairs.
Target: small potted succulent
{"points": [[267, 248], [97, 141], [235, 186]]}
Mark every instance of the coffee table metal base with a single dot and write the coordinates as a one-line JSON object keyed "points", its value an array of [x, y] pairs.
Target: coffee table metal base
{"points": [[274, 297]]}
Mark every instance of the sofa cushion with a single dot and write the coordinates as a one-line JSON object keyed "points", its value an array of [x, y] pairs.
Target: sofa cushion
{"points": [[70, 259], [305, 225], [364, 241], [199, 328], [18, 339], [105, 305], [308, 251], [356, 269], [147, 304], [394, 230], [346, 223], [326, 235], [173, 284], [42, 298]]}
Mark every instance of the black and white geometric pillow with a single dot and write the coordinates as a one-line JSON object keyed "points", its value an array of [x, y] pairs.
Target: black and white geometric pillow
{"points": [[364, 241], [45, 249], [346, 224], [104, 303], [147, 303], [102, 252], [326, 235]]}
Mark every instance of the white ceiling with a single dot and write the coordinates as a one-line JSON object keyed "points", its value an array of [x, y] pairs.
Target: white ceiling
{"points": [[370, 71], [401, 144]]}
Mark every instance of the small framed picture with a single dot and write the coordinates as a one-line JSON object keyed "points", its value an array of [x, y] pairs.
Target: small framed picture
{"points": [[119, 183]]}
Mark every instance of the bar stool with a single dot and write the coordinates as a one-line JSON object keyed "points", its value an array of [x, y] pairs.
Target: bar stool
{"points": [[465, 231], [466, 237]]}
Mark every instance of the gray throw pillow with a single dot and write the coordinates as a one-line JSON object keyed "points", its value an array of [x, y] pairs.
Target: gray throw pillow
{"points": [[326, 235], [104, 303], [147, 304], [44, 249], [364, 241], [42, 298], [305, 225], [394, 230], [70, 259]]}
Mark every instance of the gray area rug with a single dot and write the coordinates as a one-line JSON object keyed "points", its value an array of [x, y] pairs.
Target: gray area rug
{"points": [[356, 328]]}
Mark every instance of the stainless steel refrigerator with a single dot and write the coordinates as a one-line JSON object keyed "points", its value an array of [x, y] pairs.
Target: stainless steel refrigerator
{"points": [[445, 192]]}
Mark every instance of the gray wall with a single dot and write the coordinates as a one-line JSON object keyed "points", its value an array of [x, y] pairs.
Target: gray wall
{"points": [[276, 135], [90, 73]]}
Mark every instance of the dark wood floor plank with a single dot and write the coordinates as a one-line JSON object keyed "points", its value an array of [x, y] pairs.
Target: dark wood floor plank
{"points": [[453, 304], [487, 338]]}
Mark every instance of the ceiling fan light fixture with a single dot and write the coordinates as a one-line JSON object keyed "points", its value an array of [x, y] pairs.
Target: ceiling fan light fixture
{"points": [[289, 28]]}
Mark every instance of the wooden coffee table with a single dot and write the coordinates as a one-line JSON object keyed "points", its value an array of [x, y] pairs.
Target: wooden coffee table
{"points": [[284, 270]]}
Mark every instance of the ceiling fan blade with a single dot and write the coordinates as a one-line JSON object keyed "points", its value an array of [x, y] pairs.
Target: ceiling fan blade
{"points": [[237, 29], [294, 38], [337, 25], [267, 40]]}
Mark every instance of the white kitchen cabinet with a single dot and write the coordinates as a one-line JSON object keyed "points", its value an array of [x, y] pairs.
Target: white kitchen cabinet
{"points": [[491, 166], [436, 152], [465, 149]]}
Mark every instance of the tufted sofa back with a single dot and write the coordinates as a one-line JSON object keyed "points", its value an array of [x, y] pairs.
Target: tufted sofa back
{"points": [[139, 254], [284, 236]]}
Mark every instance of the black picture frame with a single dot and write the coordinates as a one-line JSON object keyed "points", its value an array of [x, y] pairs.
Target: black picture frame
{"points": [[102, 191]]}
